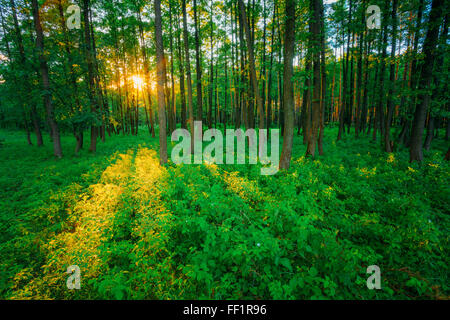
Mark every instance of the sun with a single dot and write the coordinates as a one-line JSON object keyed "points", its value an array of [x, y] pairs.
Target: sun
{"points": [[138, 82]]}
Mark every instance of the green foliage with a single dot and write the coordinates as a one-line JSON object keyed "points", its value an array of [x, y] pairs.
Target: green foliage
{"points": [[139, 231]]}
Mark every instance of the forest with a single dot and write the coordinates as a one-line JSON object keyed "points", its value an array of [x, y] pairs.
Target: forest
{"points": [[348, 97]]}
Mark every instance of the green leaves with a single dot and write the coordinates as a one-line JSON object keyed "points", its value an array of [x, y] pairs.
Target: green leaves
{"points": [[312, 272], [225, 232], [286, 263]]}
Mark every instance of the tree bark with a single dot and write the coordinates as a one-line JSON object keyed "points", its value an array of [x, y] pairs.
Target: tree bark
{"points": [[46, 81], [91, 80], [390, 97], [251, 59], [323, 87], [33, 112], [288, 90], [172, 108], [146, 76], [188, 74], [160, 73], [198, 65], [315, 106], [182, 80], [431, 39]]}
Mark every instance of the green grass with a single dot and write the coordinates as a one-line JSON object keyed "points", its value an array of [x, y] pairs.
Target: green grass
{"points": [[139, 231]]}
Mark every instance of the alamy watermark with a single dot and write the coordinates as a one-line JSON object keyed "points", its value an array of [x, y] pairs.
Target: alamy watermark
{"points": [[374, 20], [74, 280], [374, 281], [74, 20]]}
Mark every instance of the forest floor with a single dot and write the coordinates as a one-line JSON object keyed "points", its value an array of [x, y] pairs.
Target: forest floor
{"points": [[140, 231]]}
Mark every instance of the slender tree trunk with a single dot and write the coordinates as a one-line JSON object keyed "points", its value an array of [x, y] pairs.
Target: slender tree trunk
{"points": [[323, 91], [172, 111], [34, 115], [440, 85], [363, 120], [269, 86], [306, 104], [430, 131], [382, 94], [188, 74], [14, 78], [160, 72], [251, 59], [361, 40], [315, 7], [104, 109], [91, 81], [242, 84], [211, 72], [263, 76], [351, 95], [431, 39], [46, 81], [182, 81], [288, 90], [147, 87], [74, 99], [390, 97], [343, 109], [198, 65]]}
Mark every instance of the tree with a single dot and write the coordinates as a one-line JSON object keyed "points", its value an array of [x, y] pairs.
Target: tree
{"points": [[160, 74], [198, 64], [314, 114], [91, 76], [188, 74], [182, 80], [74, 100], [390, 97], [251, 59], [43, 67], [18, 36], [426, 77], [289, 43], [323, 73], [146, 72]]}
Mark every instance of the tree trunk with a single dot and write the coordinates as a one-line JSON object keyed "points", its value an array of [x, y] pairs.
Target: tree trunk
{"points": [[77, 129], [211, 73], [269, 85], [43, 67], [182, 83], [198, 65], [289, 43], [390, 97], [34, 116], [172, 111], [146, 76], [251, 59], [430, 131], [91, 81], [315, 7], [323, 91], [416, 153], [188, 74], [343, 109], [160, 72]]}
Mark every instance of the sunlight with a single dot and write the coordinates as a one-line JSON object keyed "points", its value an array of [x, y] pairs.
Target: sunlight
{"points": [[138, 82], [135, 81]]}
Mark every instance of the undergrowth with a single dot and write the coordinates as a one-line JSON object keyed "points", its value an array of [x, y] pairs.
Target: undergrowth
{"points": [[140, 231]]}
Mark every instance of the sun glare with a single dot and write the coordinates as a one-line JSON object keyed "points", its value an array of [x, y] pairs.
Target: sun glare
{"points": [[138, 82]]}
